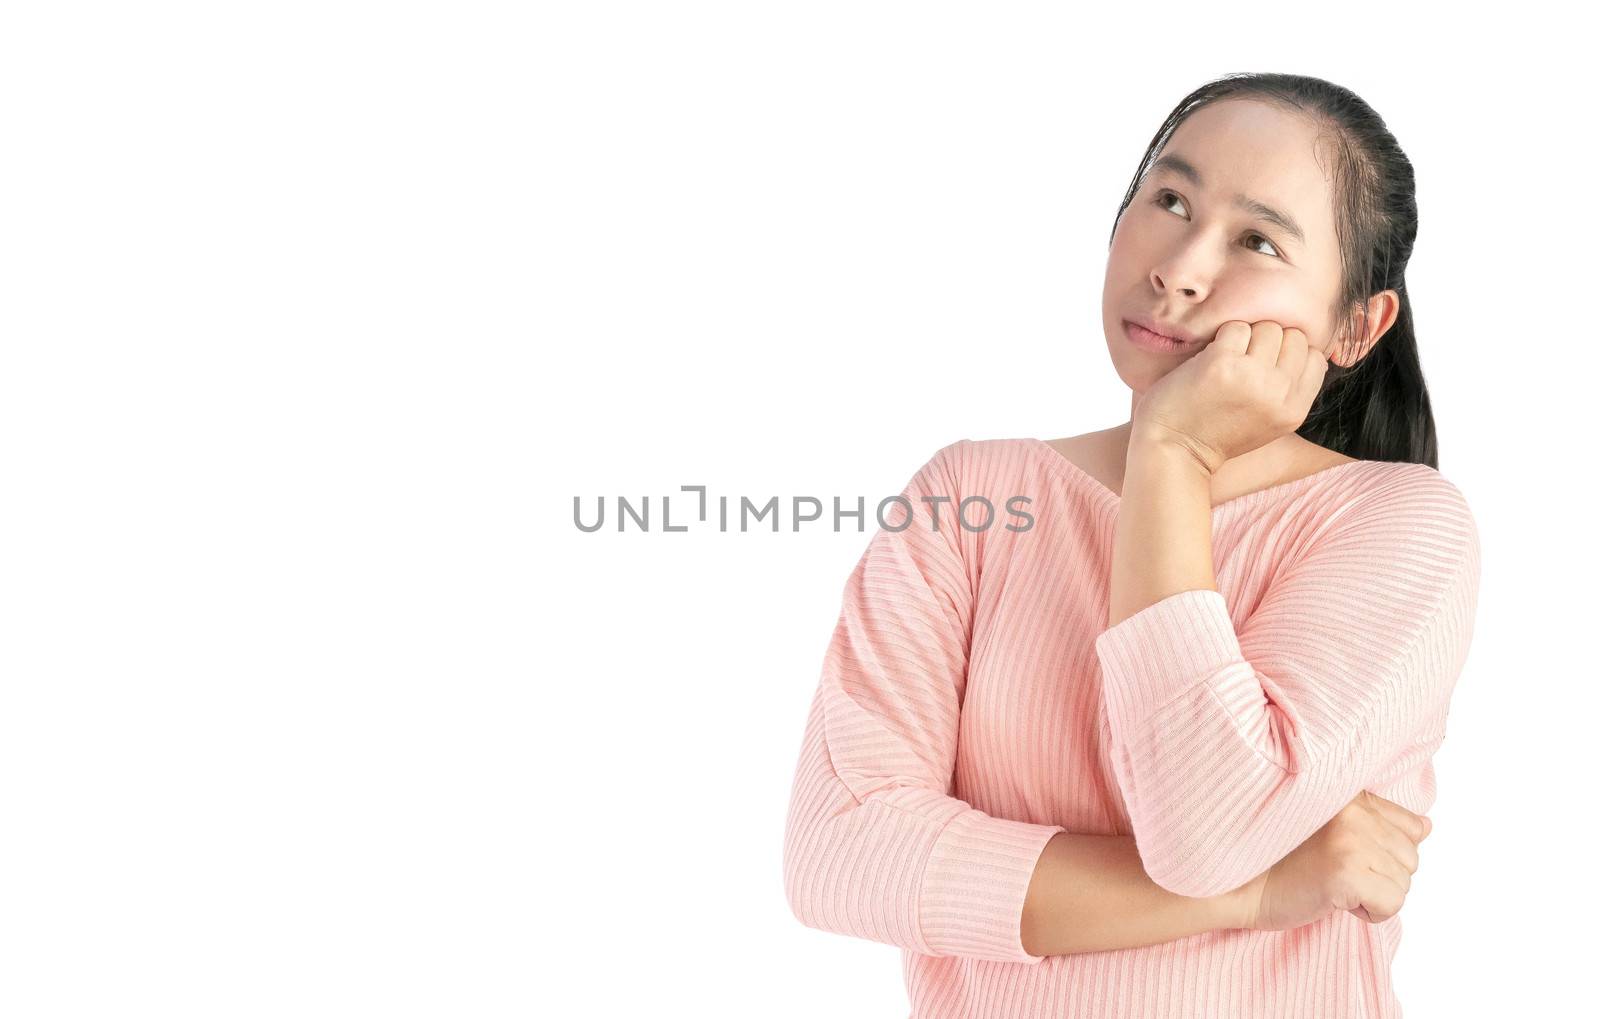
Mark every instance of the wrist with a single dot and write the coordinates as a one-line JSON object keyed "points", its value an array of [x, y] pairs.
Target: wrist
{"points": [[1154, 445], [1241, 907]]}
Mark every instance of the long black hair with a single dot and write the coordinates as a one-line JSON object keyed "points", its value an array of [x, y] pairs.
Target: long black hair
{"points": [[1377, 408]]}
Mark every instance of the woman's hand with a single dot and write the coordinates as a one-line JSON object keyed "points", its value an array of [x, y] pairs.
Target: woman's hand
{"points": [[1361, 860], [1251, 384]]}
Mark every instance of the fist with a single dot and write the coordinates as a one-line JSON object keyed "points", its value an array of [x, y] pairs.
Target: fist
{"points": [[1361, 861], [1254, 382]]}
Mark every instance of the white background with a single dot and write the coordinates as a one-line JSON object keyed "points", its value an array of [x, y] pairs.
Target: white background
{"points": [[317, 316]]}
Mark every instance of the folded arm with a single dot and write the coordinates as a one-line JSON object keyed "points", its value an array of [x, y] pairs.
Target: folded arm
{"points": [[1233, 743], [876, 846]]}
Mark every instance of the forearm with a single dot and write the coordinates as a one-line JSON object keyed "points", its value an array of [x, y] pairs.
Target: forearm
{"points": [[1090, 893], [1163, 535]]}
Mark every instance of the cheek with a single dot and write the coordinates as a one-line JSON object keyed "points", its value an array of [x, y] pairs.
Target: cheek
{"points": [[1129, 261], [1265, 299], [1135, 235], [1117, 256]]}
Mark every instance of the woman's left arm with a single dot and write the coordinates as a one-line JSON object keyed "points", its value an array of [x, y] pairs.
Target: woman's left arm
{"points": [[1232, 745]]}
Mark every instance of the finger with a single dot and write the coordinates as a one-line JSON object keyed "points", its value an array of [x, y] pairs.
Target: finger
{"points": [[1266, 339], [1389, 867], [1292, 355], [1413, 825], [1381, 897], [1398, 846], [1233, 336], [1312, 372], [1316, 365]]}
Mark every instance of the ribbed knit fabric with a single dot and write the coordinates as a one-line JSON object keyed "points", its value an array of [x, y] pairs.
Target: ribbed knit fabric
{"points": [[973, 703]]}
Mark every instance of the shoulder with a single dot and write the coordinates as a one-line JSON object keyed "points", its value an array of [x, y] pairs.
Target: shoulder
{"points": [[991, 469], [976, 459], [1414, 496], [1402, 514], [987, 485]]}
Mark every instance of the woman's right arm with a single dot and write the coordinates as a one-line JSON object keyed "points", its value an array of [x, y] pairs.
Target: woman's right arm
{"points": [[877, 847]]}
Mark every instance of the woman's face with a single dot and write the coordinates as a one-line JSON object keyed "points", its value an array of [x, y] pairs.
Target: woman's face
{"points": [[1234, 221]]}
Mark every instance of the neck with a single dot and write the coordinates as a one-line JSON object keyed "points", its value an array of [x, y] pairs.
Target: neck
{"points": [[1284, 457]]}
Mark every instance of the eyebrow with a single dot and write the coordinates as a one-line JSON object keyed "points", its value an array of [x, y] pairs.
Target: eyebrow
{"points": [[1183, 168]]}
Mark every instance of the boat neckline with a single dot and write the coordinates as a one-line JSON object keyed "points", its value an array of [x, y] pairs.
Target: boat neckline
{"points": [[1105, 494]]}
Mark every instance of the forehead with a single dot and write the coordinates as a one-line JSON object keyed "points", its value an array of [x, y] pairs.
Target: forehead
{"points": [[1265, 153]]}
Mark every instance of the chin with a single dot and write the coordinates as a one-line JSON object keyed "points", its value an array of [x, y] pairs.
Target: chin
{"points": [[1140, 370]]}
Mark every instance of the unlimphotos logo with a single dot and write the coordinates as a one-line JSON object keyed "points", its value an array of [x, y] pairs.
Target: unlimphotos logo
{"points": [[973, 513]]}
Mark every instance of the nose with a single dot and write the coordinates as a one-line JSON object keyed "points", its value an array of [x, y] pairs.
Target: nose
{"points": [[1178, 281], [1184, 271]]}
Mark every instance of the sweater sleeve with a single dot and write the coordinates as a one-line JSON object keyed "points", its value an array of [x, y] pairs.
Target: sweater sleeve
{"points": [[876, 846], [1234, 745]]}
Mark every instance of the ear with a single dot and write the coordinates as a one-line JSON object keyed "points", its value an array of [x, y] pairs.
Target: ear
{"points": [[1382, 310]]}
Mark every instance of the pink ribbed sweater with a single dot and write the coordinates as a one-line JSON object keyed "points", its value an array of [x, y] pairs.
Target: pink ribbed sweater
{"points": [[973, 703]]}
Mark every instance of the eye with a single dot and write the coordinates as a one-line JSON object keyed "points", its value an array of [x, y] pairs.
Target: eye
{"points": [[1273, 253], [1160, 202]]}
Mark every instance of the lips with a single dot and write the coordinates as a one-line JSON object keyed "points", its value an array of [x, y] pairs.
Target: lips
{"points": [[1177, 334]]}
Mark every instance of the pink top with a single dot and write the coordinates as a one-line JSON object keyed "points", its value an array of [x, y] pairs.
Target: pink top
{"points": [[973, 703]]}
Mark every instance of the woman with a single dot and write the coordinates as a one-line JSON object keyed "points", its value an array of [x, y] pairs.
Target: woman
{"points": [[1163, 749]]}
